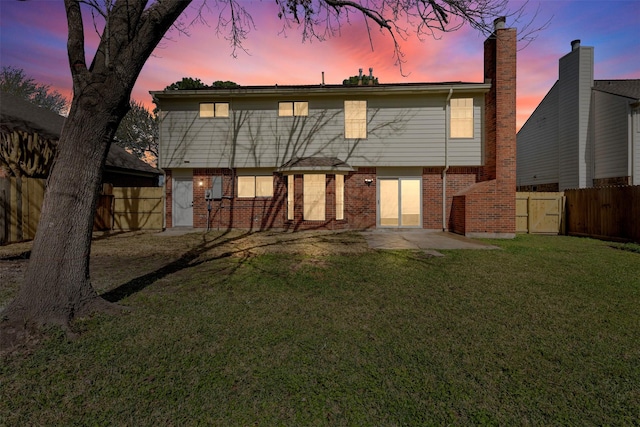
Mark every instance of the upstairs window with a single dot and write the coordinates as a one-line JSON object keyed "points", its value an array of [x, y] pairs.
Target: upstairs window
{"points": [[461, 118], [355, 119], [214, 109], [293, 108], [255, 186]]}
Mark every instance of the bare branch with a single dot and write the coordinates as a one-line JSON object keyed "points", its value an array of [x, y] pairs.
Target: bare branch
{"points": [[397, 18], [234, 24], [75, 40]]}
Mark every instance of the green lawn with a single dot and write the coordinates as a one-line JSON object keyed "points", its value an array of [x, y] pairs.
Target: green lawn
{"points": [[545, 331]]}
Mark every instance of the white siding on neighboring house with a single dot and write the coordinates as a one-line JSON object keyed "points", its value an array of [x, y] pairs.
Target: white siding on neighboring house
{"points": [[537, 144], [635, 144], [401, 131], [611, 132]]}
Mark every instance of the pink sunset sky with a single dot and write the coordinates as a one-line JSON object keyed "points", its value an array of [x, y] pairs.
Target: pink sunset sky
{"points": [[33, 37]]}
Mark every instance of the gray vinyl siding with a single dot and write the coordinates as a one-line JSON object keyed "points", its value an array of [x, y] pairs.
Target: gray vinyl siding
{"points": [[401, 131], [611, 131], [592, 127], [575, 82], [635, 144], [537, 144]]}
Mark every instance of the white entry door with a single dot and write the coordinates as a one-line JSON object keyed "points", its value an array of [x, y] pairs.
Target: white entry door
{"points": [[399, 202], [182, 202]]}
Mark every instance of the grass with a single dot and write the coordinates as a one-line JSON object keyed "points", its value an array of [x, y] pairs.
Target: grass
{"points": [[545, 331]]}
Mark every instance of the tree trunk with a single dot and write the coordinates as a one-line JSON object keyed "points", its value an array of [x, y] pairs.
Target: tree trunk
{"points": [[57, 286]]}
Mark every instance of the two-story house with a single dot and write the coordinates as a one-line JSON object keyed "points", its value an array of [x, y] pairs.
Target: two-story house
{"points": [[418, 155], [584, 133]]}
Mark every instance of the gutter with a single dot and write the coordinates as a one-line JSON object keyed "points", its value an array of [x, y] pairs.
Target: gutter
{"points": [[446, 160], [327, 90]]}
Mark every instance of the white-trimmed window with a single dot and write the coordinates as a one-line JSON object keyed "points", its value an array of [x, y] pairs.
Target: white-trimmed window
{"points": [[339, 197], [214, 109], [293, 108], [290, 197], [314, 197], [355, 119], [255, 186], [461, 118]]}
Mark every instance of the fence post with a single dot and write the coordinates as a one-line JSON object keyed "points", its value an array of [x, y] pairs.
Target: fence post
{"points": [[563, 214], [529, 214], [4, 205]]}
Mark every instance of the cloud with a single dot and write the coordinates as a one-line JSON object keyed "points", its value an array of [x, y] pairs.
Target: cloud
{"points": [[33, 37]]}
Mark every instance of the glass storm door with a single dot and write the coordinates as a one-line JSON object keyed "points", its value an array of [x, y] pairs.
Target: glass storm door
{"points": [[399, 202]]}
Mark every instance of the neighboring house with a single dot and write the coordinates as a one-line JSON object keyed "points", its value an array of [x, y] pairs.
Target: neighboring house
{"points": [[122, 169], [420, 155], [584, 133]]}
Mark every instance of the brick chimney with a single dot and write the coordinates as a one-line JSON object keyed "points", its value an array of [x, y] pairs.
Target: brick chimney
{"points": [[488, 207], [500, 104]]}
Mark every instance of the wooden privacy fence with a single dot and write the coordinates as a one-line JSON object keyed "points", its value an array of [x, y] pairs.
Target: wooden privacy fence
{"points": [[137, 208], [540, 213], [20, 203], [605, 213], [125, 209]]}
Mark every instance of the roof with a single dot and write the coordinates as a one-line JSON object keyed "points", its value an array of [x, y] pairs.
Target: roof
{"points": [[327, 90], [19, 114], [627, 88]]}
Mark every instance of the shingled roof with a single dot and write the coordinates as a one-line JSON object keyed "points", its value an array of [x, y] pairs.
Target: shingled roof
{"points": [[627, 88], [19, 114]]}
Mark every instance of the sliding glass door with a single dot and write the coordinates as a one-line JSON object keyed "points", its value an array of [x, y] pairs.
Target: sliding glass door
{"points": [[399, 202]]}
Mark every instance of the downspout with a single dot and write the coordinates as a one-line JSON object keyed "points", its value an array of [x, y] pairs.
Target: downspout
{"points": [[446, 160], [164, 173], [231, 167]]}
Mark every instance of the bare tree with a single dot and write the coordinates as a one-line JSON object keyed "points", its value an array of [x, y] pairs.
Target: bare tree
{"points": [[57, 285], [16, 82], [138, 132]]}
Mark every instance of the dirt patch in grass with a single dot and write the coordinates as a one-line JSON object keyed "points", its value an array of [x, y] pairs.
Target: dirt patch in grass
{"points": [[121, 258], [11, 273]]}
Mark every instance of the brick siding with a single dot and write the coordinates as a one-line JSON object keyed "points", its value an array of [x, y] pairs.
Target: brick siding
{"points": [[551, 187], [607, 182]]}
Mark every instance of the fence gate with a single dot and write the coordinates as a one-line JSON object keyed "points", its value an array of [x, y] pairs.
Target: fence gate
{"points": [[138, 208], [540, 213]]}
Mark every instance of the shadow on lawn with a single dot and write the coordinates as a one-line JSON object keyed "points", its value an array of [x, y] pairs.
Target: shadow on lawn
{"points": [[188, 260], [185, 261]]}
